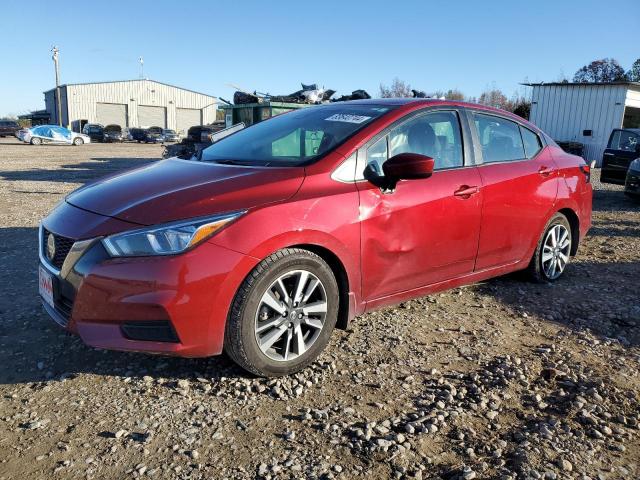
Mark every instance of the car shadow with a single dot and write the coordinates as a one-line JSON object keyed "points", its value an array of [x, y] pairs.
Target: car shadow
{"points": [[581, 300], [613, 201], [82, 172]]}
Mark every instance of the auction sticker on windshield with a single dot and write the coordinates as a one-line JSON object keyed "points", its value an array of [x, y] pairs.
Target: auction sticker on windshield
{"points": [[348, 118], [46, 286]]}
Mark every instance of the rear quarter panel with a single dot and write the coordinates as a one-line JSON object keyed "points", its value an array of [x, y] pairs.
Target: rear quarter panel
{"points": [[574, 192]]}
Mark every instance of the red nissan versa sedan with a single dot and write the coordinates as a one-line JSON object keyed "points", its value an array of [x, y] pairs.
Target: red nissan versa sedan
{"points": [[293, 226]]}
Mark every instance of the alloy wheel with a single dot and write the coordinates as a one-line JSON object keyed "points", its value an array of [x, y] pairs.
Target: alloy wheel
{"points": [[290, 316], [555, 251]]}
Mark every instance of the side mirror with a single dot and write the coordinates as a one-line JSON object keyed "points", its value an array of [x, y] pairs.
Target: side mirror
{"points": [[408, 166], [404, 166]]}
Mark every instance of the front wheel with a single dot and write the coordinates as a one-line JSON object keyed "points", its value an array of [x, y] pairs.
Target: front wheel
{"points": [[78, 141], [553, 250], [283, 314]]}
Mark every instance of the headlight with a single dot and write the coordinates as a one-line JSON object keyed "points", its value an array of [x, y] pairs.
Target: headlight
{"points": [[167, 239]]}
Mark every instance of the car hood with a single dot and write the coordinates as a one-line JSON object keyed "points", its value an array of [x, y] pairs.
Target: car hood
{"points": [[176, 189]]}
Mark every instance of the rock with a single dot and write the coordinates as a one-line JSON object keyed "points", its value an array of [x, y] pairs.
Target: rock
{"points": [[564, 464], [468, 473]]}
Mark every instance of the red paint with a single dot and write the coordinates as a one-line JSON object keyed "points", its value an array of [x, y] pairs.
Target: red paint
{"points": [[455, 227]]}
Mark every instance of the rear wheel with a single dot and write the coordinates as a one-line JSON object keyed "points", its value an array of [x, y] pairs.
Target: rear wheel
{"points": [[283, 314], [78, 141], [36, 141], [553, 250]]}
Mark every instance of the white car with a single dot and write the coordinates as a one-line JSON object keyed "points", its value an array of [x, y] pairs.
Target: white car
{"points": [[52, 134]]}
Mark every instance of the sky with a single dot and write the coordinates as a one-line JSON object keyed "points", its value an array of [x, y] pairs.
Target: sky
{"points": [[274, 46]]}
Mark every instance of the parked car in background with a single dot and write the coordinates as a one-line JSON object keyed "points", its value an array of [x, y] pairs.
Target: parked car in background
{"points": [[146, 135], [157, 132], [622, 149], [95, 131], [114, 133], [170, 135], [52, 134], [8, 128], [284, 230], [632, 182]]}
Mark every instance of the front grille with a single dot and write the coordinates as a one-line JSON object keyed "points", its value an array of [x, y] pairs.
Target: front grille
{"points": [[63, 245]]}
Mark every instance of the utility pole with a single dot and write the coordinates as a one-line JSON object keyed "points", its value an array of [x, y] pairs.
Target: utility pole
{"points": [[59, 107]]}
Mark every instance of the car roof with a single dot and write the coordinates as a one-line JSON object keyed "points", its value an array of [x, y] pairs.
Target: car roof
{"points": [[409, 102], [634, 130], [425, 101]]}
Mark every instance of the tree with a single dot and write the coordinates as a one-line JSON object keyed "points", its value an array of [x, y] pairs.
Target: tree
{"points": [[494, 98], [633, 75], [605, 70], [398, 89], [454, 94], [521, 107]]}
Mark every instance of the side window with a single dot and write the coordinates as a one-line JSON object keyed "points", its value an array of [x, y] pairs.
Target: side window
{"points": [[436, 135], [532, 144], [499, 138]]}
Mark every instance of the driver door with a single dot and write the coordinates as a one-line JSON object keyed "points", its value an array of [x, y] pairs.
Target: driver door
{"points": [[426, 231]]}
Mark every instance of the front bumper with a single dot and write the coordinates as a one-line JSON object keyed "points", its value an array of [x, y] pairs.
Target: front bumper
{"points": [[175, 305]]}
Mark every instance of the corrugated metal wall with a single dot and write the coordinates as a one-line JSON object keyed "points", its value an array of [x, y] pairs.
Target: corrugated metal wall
{"points": [[82, 100], [565, 111]]}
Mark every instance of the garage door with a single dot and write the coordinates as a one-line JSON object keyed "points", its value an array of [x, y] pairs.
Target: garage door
{"points": [[149, 116], [112, 114], [187, 118]]}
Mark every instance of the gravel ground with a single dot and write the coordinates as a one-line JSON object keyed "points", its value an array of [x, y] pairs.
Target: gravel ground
{"points": [[503, 379]]}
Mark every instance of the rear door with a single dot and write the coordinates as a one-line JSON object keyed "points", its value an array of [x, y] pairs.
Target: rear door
{"points": [[519, 188], [620, 152], [425, 231]]}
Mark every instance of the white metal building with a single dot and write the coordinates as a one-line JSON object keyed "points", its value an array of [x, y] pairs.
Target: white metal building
{"points": [[131, 103], [585, 112]]}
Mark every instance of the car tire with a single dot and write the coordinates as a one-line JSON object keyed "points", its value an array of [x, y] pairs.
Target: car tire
{"points": [[553, 251], [253, 324], [35, 141], [78, 141]]}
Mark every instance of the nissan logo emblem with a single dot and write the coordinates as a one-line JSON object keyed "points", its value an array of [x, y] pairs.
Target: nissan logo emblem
{"points": [[51, 247]]}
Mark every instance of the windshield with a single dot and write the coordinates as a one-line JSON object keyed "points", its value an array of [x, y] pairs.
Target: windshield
{"points": [[294, 138]]}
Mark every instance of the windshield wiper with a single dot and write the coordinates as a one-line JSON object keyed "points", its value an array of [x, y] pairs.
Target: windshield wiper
{"points": [[228, 161]]}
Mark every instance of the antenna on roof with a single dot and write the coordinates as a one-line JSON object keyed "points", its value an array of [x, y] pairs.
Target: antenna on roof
{"points": [[141, 60]]}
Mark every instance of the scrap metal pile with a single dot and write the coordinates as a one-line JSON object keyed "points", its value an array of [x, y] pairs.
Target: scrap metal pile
{"points": [[199, 136], [309, 94]]}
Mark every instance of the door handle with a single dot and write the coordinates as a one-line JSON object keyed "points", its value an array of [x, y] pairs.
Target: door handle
{"points": [[545, 171], [465, 191]]}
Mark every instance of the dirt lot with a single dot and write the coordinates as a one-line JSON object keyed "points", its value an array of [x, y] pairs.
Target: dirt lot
{"points": [[504, 379]]}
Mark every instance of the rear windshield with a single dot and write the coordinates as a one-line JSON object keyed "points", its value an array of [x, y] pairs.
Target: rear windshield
{"points": [[112, 128], [294, 138]]}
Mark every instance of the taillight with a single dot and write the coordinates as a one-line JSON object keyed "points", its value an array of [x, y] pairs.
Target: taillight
{"points": [[586, 169]]}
